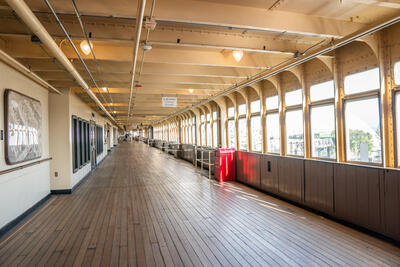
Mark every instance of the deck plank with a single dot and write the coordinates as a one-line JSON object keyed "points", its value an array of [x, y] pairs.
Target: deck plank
{"points": [[142, 207]]}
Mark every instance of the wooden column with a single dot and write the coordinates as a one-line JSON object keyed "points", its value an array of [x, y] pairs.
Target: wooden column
{"points": [[386, 100], [339, 93], [306, 113], [282, 107]]}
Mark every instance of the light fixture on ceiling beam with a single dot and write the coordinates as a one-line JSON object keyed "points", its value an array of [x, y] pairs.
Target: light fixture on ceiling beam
{"points": [[237, 55], [85, 47], [146, 47], [191, 90], [104, 89]]}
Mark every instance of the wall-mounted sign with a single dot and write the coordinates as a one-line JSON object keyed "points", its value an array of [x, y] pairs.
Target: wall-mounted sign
{"points": [[169, 102]]}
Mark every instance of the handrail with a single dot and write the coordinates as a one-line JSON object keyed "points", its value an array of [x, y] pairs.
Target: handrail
{"points": [[24, 166]]}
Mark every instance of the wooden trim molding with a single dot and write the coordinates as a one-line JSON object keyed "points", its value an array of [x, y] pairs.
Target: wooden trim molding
{"points": [[24, 166]]}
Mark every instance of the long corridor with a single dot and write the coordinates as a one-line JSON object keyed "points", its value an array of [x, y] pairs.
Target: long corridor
{"points": [[142, 207]]}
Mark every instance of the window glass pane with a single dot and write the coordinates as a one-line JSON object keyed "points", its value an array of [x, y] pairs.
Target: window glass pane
{"points": [[243, 145], [203, 135], [273, 133], [242, 109], [208, 134], [231, 112], [363, 134], [362, 81], [256, 133], [323, 133], [215, 133], [208, 116], [322, 91], [294, 133], [255, 106], [190, 135], [272, 102], [231, 134], [398, 127], [397, 73], [202, 117], [215, 115], [294, 97]]}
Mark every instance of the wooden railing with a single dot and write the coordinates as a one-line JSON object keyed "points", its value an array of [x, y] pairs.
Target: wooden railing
{"points": [[24, 166]]}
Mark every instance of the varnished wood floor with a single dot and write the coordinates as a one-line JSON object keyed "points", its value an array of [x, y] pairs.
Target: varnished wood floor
{"points": [[143, 207]]}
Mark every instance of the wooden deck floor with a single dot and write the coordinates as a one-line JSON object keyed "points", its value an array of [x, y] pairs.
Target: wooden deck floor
{"points": [[143, 207]]}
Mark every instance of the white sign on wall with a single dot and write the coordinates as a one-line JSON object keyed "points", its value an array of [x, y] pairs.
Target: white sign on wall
{"points": [[169, 102]]}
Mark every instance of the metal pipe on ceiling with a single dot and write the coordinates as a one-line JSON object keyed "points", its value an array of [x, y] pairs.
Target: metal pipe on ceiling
{"points": [[27, 72], [74, 47], [25, 13], [78, 15], [335, 44], [139, 23]]}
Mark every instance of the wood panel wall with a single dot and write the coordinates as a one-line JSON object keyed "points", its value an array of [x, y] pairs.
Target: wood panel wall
{"points": [[365, 196]]}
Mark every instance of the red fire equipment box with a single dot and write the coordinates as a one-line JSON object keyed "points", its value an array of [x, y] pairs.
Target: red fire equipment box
{"points": [[224, 165]]}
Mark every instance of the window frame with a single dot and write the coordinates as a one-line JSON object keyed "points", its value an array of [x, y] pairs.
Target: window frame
{"points": [[396, 143], [272, 111], [292, 108], [322, 103], [355, 97], [254, 114]]}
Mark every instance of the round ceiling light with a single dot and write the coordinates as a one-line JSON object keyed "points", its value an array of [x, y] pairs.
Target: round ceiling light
{"points": [[85, 47], [237, 54], [191, 90]]}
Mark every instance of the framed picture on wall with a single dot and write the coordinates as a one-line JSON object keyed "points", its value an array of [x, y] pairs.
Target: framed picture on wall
{"points": [[23, 127]]}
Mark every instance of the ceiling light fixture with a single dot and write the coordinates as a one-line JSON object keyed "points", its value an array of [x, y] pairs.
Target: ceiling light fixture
{"points": [[104, 89], [85, 47], [237, 54], [191, 90]]}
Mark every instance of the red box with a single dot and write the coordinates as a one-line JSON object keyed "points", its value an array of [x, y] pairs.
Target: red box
{"points": [[224, 165]]}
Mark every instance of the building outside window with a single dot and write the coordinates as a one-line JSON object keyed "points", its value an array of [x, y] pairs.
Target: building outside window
{"points": [[322, 120], [242, 128], [231, 128], [362, 117], [255, 123], [294, 123], [272, 124]]}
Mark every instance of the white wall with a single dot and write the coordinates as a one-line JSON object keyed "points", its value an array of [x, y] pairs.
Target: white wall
{"points": [[20, 190], [60, 142]]}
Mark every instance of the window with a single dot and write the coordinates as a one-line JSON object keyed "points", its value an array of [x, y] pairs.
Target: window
{"points": [[231, 133], [80, 142], [294, 133], [242, 109], [322, 91], [397, 73], [363, 132], [398, 126], [203, 134], [75, 143], [243, 144], [255, 106], [215, 115], [231, 112], [202, 118], [215, 133], [362, 81], [323, 133], [256, 133], [273, 133], [293, 98], [272, 102], [88, 140], [209, 134], [99, 140]]}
